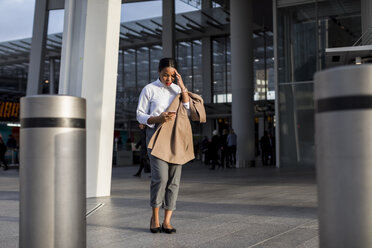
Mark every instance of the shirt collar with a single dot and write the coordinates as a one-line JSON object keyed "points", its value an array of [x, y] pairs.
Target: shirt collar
{"points": [[160, 84]]}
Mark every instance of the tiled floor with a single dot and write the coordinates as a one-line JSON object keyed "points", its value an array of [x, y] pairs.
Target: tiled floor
{"points": [[246, 207]]}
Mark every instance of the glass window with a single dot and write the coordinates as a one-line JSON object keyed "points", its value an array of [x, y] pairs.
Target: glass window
{"points": [[297, 44], [221, 86], [156, 55], [304, 32], [197, 67], [263, 65], [184, 60], [129, 68], [126, 95], [120, 78], [305, 29], [297, 124], [143, 75]]}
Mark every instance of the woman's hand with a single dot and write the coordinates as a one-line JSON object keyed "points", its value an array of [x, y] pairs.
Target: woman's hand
{"points": [[184, 91], [179, 80], [163, 117], [167, 116]]}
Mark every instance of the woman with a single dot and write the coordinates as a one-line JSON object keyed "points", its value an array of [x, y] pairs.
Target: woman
{"points": [[157, 108]]}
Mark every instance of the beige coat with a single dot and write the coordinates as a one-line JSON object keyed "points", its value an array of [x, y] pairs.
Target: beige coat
{"points": [[172, 140]]}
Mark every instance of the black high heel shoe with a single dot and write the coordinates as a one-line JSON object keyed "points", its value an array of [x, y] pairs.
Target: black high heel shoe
{"points": [[166, 230], [156, 229]]}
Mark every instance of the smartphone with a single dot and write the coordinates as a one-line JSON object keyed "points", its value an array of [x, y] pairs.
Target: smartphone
{"points": [[175, 80]]}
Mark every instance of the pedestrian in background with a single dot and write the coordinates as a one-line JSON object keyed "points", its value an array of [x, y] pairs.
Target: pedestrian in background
{"points": [[143, 151], [224, 150], [215, 150], [3, 150], [205, 148], [13, 147], [231, 146], [266, 148]]}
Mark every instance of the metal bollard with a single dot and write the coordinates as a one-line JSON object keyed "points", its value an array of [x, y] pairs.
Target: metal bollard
{"points": [[343, 140], [52, 172]]}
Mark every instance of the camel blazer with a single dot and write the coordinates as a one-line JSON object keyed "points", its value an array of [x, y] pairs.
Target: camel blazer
{"points": [[172, 140]]}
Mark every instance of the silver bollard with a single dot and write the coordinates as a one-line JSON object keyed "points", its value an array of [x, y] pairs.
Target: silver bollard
{"points": [[52, 172], [343, 140]]}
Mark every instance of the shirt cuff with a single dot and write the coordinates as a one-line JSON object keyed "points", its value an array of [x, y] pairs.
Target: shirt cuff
{"points": [[186, 105], [149, 125], [143, 120]]}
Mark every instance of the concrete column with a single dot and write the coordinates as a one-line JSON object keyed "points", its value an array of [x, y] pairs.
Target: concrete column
{"points": [[277, 95], [207, 61], [72, 55], [366, 10], [168, 33], [90, 60], [51, 76], [207, 69], [39, 34], [242, 79]]}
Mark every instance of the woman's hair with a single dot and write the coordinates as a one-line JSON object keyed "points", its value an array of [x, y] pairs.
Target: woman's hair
{"points": [[167, 62]]}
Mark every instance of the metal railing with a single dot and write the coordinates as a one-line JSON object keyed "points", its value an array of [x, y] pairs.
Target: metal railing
{"points": [[365, 39]]}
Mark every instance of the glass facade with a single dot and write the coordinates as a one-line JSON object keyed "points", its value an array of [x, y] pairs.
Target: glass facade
{"points": [[264, 83], [221, 86], [197, 67], [304, 33], [155, 54], [184, 59], [190, 65], [143, 67], [296, 108], [138, 67], [263, 66]]}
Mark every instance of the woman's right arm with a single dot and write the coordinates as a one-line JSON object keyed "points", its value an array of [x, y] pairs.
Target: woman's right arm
{"points": [[163, 117], [143, 110]]}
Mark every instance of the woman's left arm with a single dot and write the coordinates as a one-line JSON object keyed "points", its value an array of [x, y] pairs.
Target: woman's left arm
{"points": [[184, 91]]}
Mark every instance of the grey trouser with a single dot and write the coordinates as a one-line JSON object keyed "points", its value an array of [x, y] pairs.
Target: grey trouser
{"points": [[165, 180]]}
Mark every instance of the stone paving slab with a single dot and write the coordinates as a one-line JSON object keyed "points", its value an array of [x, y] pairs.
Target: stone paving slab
{"points": [[245, 207]]}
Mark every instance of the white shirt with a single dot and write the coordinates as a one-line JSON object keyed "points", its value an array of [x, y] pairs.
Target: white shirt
{"points": [[155, 99]]}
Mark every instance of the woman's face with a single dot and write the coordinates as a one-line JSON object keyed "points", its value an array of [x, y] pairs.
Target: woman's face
{"points": [[167, 75]]}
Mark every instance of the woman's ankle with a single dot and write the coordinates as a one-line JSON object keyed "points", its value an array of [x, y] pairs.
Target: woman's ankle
{"points": [[167, 225], [155, 223]]}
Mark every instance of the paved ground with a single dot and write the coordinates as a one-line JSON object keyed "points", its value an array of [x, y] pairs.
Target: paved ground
{"points": [[247, 207]]}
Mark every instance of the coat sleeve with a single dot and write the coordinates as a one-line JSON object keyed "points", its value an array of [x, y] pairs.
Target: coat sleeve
{"points": [[197, 110]]}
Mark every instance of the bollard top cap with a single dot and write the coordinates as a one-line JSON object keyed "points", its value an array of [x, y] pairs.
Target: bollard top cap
{"points": [[350, 80], [58, 106]]}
